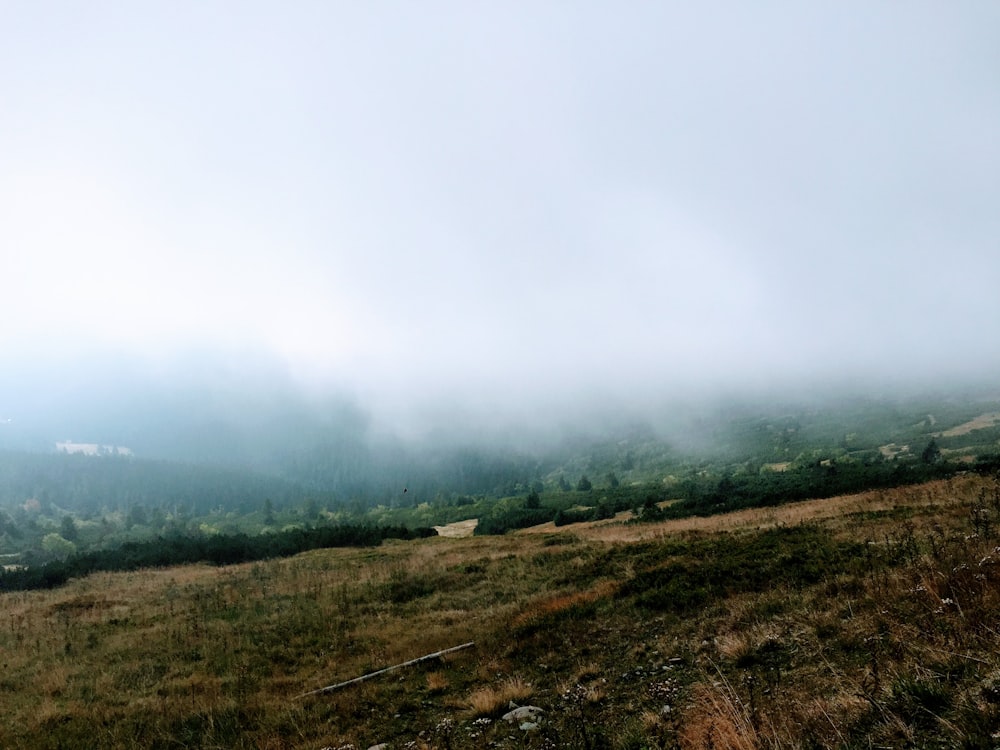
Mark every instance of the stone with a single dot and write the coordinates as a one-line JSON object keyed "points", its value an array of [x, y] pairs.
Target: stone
{"points": [[523, 713]]}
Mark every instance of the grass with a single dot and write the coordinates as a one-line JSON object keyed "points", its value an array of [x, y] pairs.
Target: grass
{"points": [[492, 701], [860, 621]]}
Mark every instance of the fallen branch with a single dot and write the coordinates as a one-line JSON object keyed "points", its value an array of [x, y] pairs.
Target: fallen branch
{"points": [[362, 678]]}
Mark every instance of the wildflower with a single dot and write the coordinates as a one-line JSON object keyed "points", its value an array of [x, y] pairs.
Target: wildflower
{"points": [[945, 604], [663, 690]]}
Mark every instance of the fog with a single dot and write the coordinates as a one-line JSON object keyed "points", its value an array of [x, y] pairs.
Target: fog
{"points": [[493, 214]]}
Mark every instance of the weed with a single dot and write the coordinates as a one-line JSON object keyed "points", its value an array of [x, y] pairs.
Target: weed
{"points": [[437, 682], [919, 701]]}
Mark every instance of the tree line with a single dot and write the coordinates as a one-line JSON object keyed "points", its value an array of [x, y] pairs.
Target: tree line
{"points": [[220, 549], [706, 494]]}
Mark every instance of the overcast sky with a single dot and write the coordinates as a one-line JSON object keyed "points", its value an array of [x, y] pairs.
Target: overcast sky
{"points": [[505, 197]]}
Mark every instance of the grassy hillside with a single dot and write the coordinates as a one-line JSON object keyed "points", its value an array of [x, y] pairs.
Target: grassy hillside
{"points": [[716, 458], [848, 622]]}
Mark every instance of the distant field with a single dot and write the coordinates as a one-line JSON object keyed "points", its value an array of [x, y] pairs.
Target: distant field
{"points": [[983, 421]]}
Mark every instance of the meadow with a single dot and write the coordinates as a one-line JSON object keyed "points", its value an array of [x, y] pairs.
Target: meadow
{"points": [[857, 621]]}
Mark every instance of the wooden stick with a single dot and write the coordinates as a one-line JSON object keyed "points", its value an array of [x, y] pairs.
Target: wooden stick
{"points": [[362, 678]]}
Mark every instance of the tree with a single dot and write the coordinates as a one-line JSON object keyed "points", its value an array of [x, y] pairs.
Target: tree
{"points": [[584, 484], [725, 489], [651, 511], [563, 484], [612, 480], [68, 529], [533, 501], [58, 547], [931, 454], [310, 510]]}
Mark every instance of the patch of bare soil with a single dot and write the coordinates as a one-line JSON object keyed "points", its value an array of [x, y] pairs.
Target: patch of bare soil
{"points": [[459, 529], [892, 450]]}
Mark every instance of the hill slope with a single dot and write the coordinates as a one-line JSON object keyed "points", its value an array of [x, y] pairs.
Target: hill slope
{"points": [[834, 623]]}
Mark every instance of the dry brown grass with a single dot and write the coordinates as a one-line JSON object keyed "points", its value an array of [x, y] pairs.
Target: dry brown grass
{"points": [[201, 656], [494, 700], [437, 682], [717, 718], [791, 514], [552, 606]]}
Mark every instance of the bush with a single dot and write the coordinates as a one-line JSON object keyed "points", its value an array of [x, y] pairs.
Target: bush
{"points": [[566, 517], [506, 519], [57, 546]]}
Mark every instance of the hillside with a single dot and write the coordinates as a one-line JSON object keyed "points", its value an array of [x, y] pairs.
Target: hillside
{"points": [[719, 457], [848, 622]]}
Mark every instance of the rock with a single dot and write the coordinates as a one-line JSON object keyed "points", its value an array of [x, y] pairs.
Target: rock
{"points": [[529, 726], [380, 746], [523, 713]]}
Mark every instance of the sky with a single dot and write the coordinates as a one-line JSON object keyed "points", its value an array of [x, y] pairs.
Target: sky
{"points": [[503, 200]]}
